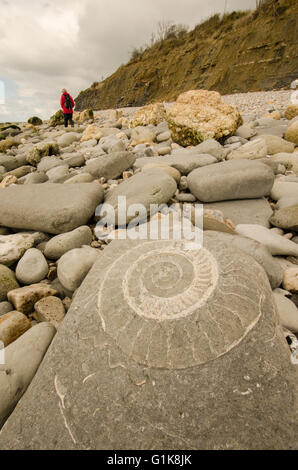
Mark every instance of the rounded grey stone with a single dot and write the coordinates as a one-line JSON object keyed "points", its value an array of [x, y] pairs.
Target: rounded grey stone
{"points": [[244, 211], [81, 178], [235, 179], [110, 166], [32, 267], [34, 178], [47, 163], [58, 174], [163, 136], [74, 160], [184, 161], [57, 246], [150, 187], [74, 265]]}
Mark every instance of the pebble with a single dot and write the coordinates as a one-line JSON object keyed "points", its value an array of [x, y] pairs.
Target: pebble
{"points": [[25, 298], [290, 280], [13, 325], [59, 245], [5, 307], [8, 281], [287, 312], [12, 247], [50, 309], [32, 267], [74, 265]]}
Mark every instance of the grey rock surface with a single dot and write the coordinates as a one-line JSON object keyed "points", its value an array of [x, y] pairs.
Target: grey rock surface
{"points": [[81, 178], [276, 144], [22, 358], [52, 208], [212, 147], [74, 265], [276, 244], [5, 307], [110, 166], [287, 312], [164, 368], [58, 174], [47, 163], [9, 162], [244, 211], [251, 151], [67, 139], [57, 246], [34, 178], [73, 159], [184, 162], [150, 187], [235, 179], [257, 251]]}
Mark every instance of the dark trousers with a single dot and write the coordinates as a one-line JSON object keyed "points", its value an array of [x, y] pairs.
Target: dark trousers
{"points": [[68, 117]]}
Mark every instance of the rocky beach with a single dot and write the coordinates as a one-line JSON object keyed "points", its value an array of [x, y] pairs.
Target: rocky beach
{"points": [[149, 344]]}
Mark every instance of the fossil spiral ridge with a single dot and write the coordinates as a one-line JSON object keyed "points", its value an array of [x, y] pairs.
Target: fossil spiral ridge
{"points": [[168, 306]]}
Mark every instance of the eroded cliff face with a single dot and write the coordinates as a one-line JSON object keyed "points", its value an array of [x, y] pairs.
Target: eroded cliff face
{"points": [[238, 53]]}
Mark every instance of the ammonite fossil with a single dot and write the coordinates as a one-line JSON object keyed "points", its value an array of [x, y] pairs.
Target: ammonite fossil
{"points": [[169, 306]]}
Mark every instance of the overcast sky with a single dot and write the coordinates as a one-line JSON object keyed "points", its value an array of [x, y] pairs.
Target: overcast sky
{"points": [[46, 45]]}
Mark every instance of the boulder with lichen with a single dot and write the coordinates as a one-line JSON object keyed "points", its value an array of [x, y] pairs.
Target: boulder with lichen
{"points": [[150, 114], [36, 121], [57, 119], [198, 115]]}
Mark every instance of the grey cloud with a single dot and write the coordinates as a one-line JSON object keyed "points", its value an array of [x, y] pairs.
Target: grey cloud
{"points": [[40, 59]]}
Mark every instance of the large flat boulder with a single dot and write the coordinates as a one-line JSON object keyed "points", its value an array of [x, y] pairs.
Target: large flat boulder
{"points": [[235, 179], [52, 208], [164, 348]]}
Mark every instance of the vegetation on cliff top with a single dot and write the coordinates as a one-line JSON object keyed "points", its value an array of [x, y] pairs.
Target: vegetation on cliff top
{"points": [[230, 53]]}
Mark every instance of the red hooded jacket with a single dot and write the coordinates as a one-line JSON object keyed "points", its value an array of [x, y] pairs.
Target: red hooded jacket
{"points": [[62, 102]]}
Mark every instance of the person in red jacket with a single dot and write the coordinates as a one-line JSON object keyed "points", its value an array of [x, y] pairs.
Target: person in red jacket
{"points": [[67, 105]]}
